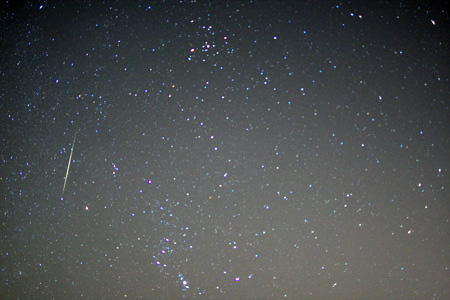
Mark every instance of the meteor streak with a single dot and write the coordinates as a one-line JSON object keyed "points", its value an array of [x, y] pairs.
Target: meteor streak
{"points": [[70, 160]]}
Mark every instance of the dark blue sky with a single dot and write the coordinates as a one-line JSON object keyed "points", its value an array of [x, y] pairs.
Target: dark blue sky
{"points": [[225, 150]]}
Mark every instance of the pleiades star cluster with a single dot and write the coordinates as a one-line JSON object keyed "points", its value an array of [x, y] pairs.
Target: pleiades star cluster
{"points": [[225, 150]]}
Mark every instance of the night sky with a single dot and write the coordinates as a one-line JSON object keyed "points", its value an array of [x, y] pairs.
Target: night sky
{"points": [[225, 150]]}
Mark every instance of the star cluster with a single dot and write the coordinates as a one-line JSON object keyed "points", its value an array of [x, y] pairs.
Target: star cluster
{"points": [[225, 150]]}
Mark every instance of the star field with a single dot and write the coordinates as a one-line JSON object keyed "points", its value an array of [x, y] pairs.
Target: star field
{"points": [[225, 150]]}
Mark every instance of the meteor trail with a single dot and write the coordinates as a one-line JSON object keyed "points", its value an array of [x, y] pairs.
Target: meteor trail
{"points": [[70, 160]]}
